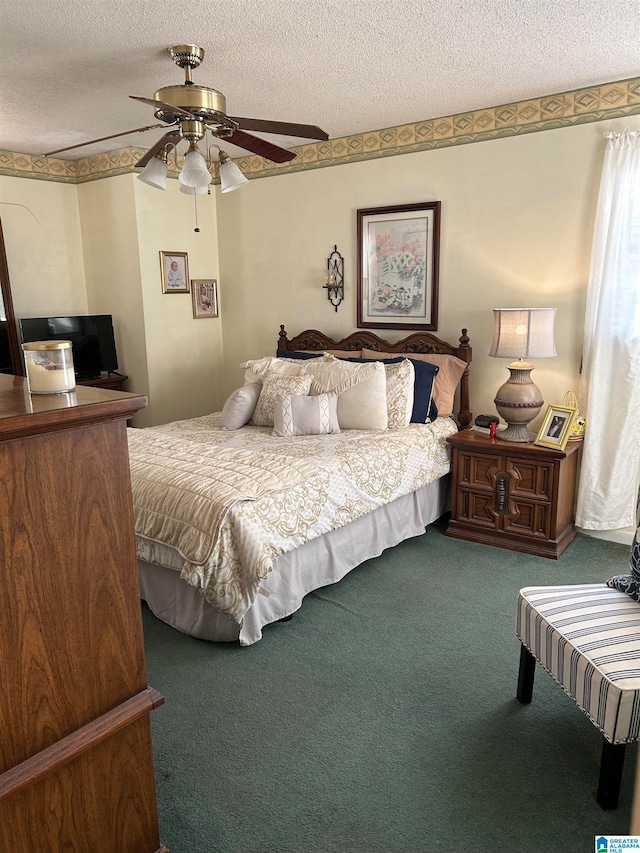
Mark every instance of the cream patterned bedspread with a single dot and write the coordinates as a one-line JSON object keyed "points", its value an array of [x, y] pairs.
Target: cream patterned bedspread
{"points": [[230, 503]]}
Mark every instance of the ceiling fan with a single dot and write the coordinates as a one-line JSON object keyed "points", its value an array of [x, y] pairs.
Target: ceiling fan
{"points": [[193, 110]]}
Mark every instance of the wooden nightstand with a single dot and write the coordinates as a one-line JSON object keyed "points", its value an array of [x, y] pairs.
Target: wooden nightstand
{"points": [[513, 495]]}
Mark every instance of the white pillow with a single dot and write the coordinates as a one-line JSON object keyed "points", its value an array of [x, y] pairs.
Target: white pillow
{"points": [[239, 407], [295, 415], [274, 385], [257, 368], [364, 406], [334, 374], [400, 380], [361, 389]]}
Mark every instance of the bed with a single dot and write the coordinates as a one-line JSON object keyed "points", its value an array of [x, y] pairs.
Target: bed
{"points": [[235, 526]]}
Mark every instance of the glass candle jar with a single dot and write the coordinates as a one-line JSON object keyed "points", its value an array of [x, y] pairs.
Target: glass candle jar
{"points": [[49, 367]]}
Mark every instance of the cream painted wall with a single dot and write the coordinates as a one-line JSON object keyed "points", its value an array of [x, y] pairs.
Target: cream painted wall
{"points": [[112, 264], [184, 355], [45, 256], [517, 217]]}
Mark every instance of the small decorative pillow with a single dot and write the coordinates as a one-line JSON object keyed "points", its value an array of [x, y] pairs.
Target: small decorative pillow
{"points": [[239, 407], [400, 380], [274, 385], [631, 583], [295, 415]]}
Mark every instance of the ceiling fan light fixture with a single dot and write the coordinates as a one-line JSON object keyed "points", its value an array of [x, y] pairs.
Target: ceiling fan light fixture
{"points": [[155, 173], [230, 175], [194, 170]]}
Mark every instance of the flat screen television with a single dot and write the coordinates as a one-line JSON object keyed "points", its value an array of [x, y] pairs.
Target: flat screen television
{"points": [[91, 335]]}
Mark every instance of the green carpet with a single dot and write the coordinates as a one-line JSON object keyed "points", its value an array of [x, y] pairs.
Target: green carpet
{"points": [[382, 718]]}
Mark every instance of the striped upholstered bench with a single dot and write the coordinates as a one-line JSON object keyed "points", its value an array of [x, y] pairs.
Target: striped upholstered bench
{"points": [[588, 638]]}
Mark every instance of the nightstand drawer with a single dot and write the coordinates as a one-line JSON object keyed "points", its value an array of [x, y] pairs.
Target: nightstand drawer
{"points": [[528, 519], [477, 508], [530, 479], [479, 471]]}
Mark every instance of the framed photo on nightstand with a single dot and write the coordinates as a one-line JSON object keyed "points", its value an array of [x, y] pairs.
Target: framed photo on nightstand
{"points": [[556, 427]]}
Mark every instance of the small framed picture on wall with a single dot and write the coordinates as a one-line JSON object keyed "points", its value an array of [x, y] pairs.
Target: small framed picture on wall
{"points": [[174, 267], [204, 294]]}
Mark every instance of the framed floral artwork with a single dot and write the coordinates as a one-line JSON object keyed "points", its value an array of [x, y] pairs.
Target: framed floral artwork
{"points": [[174, 267], [204, 294], [398, 260]]}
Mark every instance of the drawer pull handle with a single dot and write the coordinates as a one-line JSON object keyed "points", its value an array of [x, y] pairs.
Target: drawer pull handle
{"points": [[502, 492]]}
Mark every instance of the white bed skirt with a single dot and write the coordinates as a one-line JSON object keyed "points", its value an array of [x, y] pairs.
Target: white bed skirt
{"points": [[322, 561]]}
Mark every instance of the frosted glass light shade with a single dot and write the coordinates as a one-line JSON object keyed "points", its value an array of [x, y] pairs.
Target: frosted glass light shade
{"points": [[193, 190], [154, 174], [524, 333], [194, 171], [230, 177]]}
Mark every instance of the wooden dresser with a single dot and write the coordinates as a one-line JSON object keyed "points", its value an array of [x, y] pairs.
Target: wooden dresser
{"points": [[513, 495], [76, 767], [114, 381]]}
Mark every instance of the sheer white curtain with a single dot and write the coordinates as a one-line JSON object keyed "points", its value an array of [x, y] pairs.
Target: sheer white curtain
{"points": [[611, 364]]}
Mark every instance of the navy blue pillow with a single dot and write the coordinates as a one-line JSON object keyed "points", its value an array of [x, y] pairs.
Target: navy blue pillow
{"points": [[285, 353]]}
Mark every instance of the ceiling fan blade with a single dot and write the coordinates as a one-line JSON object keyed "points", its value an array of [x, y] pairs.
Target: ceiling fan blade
{"points": [[103, 138], [261, 147], [160, 105], [171, 138], [284, 128]]}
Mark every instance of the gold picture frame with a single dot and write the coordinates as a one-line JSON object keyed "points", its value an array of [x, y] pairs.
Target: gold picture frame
{"points": [[556, 427], [174, 267], [204, 296]]}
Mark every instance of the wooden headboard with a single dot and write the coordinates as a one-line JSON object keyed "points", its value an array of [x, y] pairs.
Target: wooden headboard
{"points": [[419, 342]]}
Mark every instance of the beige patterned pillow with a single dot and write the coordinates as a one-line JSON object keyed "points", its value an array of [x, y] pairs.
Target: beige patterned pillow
{"points": [[275, 385], [400, 379]]}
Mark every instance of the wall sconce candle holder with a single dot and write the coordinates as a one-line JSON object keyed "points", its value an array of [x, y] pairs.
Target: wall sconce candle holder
{"points": [[335, 278]]}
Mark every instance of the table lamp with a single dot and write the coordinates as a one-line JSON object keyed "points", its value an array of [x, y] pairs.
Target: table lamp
{"points": [[521, 333]]}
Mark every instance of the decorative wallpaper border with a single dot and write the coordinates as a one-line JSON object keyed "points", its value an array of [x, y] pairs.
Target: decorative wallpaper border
{"points": [[596, 103]]}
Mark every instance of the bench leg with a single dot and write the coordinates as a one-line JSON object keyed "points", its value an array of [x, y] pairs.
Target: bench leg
{"points": [[525, 675], [611, 765]]}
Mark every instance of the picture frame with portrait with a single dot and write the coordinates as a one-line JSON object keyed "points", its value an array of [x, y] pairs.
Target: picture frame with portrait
{"points": [[174, 267], [556, 427], [204, 295]]}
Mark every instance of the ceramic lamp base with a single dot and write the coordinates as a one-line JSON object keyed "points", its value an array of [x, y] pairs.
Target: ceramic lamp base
{"points": [[518, 401]]}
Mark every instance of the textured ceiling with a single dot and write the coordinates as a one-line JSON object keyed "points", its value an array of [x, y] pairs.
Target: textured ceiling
{"points": [[67, 67]]}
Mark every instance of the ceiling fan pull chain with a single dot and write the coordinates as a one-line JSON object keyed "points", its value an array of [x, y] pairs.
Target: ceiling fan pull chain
{"points": [[195, 205]]}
